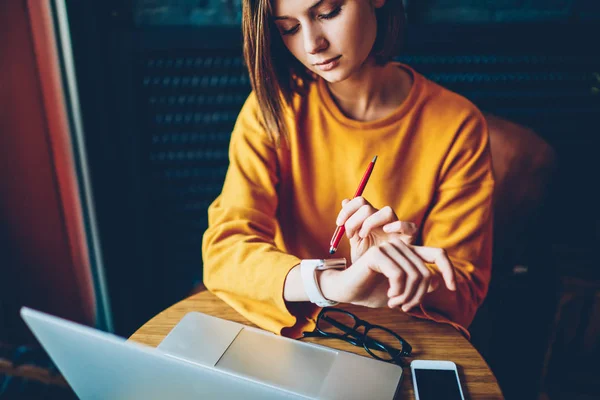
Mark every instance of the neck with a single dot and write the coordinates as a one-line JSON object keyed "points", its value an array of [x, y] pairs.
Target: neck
{"points": [[371, 92]]}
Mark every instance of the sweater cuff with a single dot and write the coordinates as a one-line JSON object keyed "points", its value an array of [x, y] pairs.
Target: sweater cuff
{"points": [[423, 313]]}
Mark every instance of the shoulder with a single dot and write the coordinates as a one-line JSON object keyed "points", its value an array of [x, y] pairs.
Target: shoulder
{"points": [[250, 123], [250, 117], [448, 116], [250, 111], [445, 105]]}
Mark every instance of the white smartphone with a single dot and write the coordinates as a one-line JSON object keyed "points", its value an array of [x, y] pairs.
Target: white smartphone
{"points": [[434, 379]]}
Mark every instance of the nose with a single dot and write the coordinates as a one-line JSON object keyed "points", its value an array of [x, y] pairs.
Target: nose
{"points": [[314, 40]]}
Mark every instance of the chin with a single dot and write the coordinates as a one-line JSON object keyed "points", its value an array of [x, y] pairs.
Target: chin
{"points": [[334, 76]]}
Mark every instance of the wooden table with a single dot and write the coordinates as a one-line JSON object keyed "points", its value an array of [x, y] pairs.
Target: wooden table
{"points": [[429, 340]]}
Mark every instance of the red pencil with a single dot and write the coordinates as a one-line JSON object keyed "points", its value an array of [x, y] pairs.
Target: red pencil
{"points": [[340, 230]]}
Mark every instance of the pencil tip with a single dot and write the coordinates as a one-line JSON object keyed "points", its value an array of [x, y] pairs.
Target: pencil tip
{"points": [[331, 251], [374, 159]]}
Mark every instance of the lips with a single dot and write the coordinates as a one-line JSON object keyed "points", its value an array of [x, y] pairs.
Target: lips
{"points": [[327, 61]]}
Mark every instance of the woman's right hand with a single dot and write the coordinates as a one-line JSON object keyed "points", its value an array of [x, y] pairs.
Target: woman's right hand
{"points": [[366, 226], [392, 273]]}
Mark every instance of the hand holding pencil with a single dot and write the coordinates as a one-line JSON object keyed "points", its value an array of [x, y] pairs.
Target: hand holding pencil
{"points": [[340, 230], [371, 225]]}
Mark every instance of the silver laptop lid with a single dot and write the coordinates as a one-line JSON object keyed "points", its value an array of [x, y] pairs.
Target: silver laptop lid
{"points": [[100, 365]]}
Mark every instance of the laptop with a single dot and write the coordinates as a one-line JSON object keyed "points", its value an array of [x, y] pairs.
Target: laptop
{"points": [[209, 358]]}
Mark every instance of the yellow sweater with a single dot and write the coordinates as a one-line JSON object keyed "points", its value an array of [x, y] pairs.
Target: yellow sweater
{"points": [[279, 205]]}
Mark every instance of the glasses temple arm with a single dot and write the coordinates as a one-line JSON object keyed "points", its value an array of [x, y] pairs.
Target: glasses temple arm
{"points": [[370, 342]]}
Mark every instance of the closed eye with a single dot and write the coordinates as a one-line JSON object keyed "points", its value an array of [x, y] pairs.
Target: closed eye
{"points": [[290, 31], [326, 16], [332, 14]]}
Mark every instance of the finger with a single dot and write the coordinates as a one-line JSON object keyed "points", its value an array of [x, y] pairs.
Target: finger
{"points": [[395, 302], [345, 201], [398, 258], [384, 264], [413, 277], [425, 274], [356, 220], [438, 257], [406, 228], [350, 208], [379, 218], [417, 298]]}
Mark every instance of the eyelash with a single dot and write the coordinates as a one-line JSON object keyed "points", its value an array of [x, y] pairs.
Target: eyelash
{"points": [[290, 31], [330, 15]]}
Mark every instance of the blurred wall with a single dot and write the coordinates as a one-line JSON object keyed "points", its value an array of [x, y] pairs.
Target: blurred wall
{"points": [[38, 256]]}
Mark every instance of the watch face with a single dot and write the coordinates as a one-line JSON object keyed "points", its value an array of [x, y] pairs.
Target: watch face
{"points": [[339, 263]]}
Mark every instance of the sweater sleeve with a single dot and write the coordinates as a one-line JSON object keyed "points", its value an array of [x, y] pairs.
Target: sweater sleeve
{"points": [[242, 263], [460, 221]]}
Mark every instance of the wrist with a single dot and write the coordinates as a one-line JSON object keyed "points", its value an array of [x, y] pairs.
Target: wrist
{"points": [[329, 282], [293, 288], [311, 272]]}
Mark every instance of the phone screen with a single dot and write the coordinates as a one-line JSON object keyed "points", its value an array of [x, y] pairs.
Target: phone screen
{"points": [[437, 384]]}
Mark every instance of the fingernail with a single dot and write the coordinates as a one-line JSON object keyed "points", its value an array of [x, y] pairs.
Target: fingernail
{"points": [[405, 308]]}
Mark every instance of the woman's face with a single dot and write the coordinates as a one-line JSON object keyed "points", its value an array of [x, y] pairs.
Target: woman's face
{"points": [[332, 38]]}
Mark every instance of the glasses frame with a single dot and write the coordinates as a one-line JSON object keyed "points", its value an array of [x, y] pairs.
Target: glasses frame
{"points": [[360, 339]]}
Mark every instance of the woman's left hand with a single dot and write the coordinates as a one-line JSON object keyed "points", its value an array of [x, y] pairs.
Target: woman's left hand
{"points": [[367, 226]]}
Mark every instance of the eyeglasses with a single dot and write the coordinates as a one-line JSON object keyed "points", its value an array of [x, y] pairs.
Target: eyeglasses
{"points": [[380, 342]]}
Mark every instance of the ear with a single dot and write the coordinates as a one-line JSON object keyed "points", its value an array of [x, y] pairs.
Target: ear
{"points": [[378, 3]]}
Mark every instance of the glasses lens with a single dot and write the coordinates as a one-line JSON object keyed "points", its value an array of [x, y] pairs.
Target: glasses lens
{"points": [[336, 323], [382, 344]]}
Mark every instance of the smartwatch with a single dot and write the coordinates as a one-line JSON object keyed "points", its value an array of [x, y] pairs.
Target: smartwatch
{"points": [[308, 270]]}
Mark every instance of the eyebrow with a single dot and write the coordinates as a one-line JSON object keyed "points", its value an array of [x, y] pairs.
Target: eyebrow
{"points": [[311, 8]]}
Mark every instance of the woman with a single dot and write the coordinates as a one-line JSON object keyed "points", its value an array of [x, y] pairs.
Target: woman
{"points": [[326, 99]]}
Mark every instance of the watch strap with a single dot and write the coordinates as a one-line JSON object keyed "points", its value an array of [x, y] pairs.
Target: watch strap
{"points": [[308, 270]]}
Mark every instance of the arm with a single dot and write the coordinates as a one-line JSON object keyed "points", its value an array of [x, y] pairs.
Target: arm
{"points": [[243, 265], [460, 221]]}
